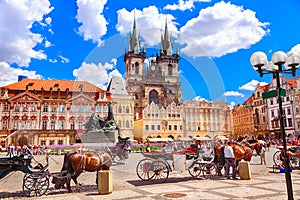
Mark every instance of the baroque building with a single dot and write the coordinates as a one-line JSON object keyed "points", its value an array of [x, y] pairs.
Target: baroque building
{"points": [[123, 106], [188, 120], [155, 81], [48, 112]]}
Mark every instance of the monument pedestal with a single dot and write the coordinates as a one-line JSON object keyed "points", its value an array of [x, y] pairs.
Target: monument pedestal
{"points": [[100, 136]]}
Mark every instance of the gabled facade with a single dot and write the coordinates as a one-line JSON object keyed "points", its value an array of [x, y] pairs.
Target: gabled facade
{"points": [[273, 109]]}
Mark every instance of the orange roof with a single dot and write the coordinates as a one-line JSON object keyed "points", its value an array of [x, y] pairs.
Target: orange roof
{"points": [[291, 81], [249, 100], [35, 84]]}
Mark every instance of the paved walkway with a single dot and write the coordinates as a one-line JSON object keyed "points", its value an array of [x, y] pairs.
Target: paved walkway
{"points": [[126, 185]]}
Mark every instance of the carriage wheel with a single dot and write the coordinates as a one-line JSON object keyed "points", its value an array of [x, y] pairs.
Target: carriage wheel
{"points": [[35, 184], [144, 169], [195, 169], [209, 171], [276, 158], [160, 170]]}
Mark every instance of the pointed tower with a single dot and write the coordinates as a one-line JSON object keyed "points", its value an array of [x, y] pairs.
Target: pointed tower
{"points": [[134, 63], [169, 66]]}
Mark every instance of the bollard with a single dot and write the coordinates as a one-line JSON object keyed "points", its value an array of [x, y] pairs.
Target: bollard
{"points": [[244, 170], [105, 185]]}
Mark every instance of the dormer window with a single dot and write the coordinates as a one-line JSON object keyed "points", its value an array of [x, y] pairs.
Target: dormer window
{"points": [[56, 85]]}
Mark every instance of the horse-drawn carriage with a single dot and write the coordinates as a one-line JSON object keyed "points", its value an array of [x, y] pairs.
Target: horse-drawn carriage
{"points": [[157, 166], [35, 180], [294, 157]]}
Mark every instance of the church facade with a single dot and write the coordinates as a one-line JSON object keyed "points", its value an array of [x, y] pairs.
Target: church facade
{"points": [[153, 81]]}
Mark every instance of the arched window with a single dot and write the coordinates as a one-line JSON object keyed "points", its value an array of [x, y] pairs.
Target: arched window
{"points": [[153, 96], [136, 68], [127, 124], [127, 109], [170, 69], [120, 124], [120, 109]]}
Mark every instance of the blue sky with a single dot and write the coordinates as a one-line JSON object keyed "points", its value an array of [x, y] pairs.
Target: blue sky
{"points": [[85, 40]]}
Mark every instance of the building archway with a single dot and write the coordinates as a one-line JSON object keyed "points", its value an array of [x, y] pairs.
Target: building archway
{"points": [[23, 141], [153, 97]]}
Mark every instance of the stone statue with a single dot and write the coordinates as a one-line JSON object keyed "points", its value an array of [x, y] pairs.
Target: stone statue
{"points": [[96, 123]]}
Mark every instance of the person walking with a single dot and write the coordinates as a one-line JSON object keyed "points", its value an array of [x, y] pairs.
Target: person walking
{"points": [[229, 161], [263, 155]]}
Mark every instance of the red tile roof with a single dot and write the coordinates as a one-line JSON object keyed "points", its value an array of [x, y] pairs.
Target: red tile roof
{"points": [[291, 81], [35, 84]]}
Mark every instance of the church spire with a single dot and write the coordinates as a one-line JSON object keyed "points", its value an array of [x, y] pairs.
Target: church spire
{"points": [[134, 40], [166, 41]]}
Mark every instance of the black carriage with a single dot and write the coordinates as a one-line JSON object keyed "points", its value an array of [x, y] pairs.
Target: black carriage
{"points": [[35, 180], [157, 166]]}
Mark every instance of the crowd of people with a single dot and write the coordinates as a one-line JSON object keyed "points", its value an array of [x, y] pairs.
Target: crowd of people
{"points": [[17, 150]]}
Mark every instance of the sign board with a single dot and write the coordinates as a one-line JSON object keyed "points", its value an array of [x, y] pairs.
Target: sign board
{"points": [[273, 93]]}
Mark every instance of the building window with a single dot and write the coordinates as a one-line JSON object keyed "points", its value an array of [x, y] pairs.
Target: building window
{"points": [[105, 109], [170, 70], [24, 125], [175, 127], [72, 125], [170, 127], [158, 127], [17, 108], [45, 109], [60, 142], [153, 127], [271, 101], [147, 127], [127, 109], [88, 109], [180, 127], [127, 124], [98, 109], [80, 124], [296, 99], [52, 125], [61, 124], [102, 96], [51, 142], [288, 111], [4, 125], [16, 124], [62, 108], [43, 142], [120, 109], [44, 125], [6, 107], [54, 108], [32, 125], [73, 109], [290, 123], [136, 68], [33, 107]]}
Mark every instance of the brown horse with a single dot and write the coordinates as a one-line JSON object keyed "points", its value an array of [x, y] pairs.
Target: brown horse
{"points": [[75, 162], [242, 151]]}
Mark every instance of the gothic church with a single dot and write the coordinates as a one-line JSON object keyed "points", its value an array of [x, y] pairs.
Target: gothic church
{"points": [[156, 81]]}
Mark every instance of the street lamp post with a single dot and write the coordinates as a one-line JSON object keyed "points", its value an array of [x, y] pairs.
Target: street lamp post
{"points": [[262, 66]]}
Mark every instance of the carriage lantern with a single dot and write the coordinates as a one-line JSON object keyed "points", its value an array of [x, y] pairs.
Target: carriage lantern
{"points": [[262, 66]]}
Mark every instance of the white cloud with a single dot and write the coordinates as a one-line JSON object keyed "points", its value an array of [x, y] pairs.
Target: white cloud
{"points": [[64, 59], [48, 44], [251, 86], [93, 23], [10, 74], [17, 41], [97, 74], [48, 20], [233, 93], [198, 98], [150, 23], [183, 5], [221, 29], [231, 105]]}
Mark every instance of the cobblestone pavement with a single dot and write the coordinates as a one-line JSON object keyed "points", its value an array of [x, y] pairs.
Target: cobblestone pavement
{"points": [[126, 184]]}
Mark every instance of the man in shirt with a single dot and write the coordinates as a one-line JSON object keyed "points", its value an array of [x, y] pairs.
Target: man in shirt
{"points": [[229, 161]]}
